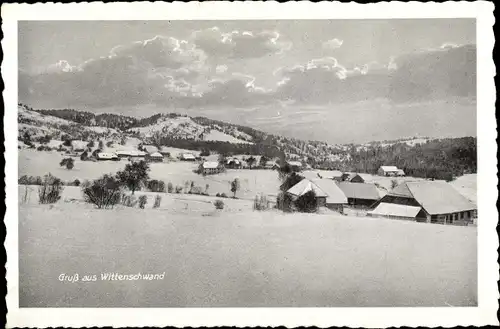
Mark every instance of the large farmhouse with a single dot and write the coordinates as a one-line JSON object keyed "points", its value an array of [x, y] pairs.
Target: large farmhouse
{"points": [[129, 154], [328, 194], [360, 195], [103, 156], [427, 201]]}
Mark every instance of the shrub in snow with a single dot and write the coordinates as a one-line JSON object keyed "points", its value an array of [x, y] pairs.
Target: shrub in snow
{"points": [[260, 203], [307, 202], [394, 184], [235, 186], [84, 156], [170, 187], [219, 204], [284, 202], [69, 163], [156, 185], [104, 192], [143, 200], [129, 201], [178, 189], [157, 201], [26, 195], [50, 189]]}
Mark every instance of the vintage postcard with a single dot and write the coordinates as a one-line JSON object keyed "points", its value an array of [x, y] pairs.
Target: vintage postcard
{"points": [[250, 164]]}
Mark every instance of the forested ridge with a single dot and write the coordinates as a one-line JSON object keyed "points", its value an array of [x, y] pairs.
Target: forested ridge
{"points": [[437, 158]]}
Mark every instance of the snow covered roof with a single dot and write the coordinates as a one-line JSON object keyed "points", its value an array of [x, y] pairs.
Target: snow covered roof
{"points": [[392, 209], [310, 174], [305, 186], [104, 155], [150, 148], [131, 153], [389, 168], [335, 194], [330, 174], [359, 190], [188, 156], [295, 163], [271, 164], [210, 165], [435, 197]]}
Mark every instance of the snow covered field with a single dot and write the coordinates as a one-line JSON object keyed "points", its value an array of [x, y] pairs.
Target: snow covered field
{"points": [[256, 181], [239, 258], [252, 182]]}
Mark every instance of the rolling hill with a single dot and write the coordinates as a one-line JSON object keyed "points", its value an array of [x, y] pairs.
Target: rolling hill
{"points": [[420, 157]]}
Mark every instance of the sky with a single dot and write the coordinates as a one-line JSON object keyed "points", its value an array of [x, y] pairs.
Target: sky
{"points": [[307, 78]]}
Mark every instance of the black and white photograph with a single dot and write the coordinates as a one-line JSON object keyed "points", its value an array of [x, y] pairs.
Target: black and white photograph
{"points": [[250, 163]]}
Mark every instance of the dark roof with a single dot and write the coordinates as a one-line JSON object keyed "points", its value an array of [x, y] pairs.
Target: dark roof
{"points": [[359, 190]]}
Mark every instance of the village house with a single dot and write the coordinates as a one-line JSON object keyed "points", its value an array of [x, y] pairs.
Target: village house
{"points": [[187, 157], [335, 175], [352, 177], [328, 194], [295, 165], [437, 202], [131, 154], [155, 157], [164, 151], [360, 195], [271, 165], [149, 148], [390, 171], [210, 168], [105, 156]]}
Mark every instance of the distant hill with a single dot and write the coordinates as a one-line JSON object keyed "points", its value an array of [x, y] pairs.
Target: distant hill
{"points": [[419, 157]]}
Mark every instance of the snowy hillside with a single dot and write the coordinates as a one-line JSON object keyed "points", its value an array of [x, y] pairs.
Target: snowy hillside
{"points": [[39, 125], [185, 128]]}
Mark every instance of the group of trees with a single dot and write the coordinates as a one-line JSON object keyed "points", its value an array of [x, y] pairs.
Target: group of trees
{"points": [[438, 159], [307, 202]]}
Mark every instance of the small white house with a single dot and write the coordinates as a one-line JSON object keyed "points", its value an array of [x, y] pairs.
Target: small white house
{"points": [[390, 171], [295, 165], [155, 157], [187, 157], [103, 156], [210, 167]]}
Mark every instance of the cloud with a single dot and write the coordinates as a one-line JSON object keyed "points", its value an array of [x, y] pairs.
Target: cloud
{"points": [[162, 52], [427, 75], [61, 66], [332, 44], [219, 69], [179, 73], [239, 44]]}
